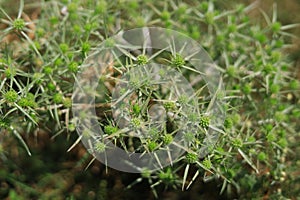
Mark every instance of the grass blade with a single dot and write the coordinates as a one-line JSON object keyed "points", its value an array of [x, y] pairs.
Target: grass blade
{"points": [[17, 134], [186, 171], [248, 160]]}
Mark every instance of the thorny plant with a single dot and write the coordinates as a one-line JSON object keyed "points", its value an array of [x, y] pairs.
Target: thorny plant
{"points": [[262, 93]]}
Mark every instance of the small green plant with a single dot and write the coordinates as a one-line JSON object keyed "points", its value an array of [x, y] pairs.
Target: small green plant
{"points": [[38, 71]]}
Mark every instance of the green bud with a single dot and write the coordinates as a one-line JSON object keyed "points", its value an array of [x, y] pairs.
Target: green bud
{"points": [[11, 96], [204, 122], [142, 60], [109, 129], [19, 24], [191, 157]]}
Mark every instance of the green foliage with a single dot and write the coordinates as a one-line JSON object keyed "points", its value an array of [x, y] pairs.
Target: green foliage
{"points": [[37, 74]]}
